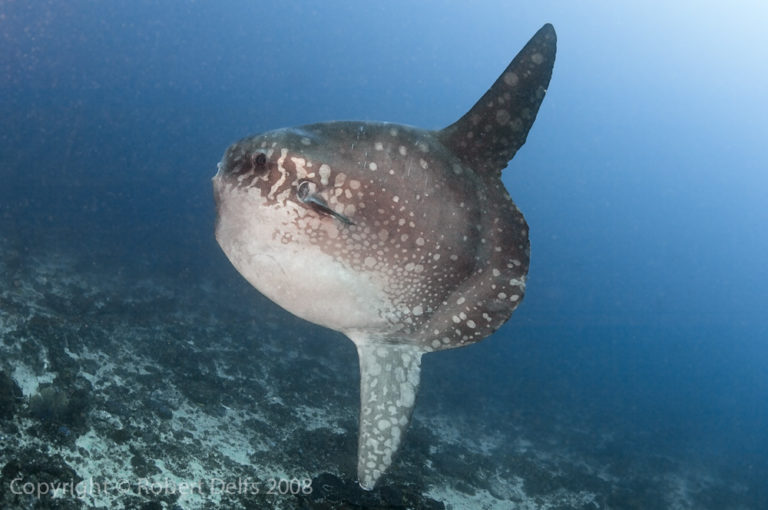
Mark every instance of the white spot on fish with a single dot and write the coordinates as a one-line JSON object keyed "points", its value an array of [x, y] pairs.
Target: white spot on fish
{"points": [[511, 79], [301, 172], [325, 173]]}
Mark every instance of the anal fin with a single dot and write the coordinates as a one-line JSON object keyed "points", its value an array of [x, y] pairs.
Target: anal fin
{"points": [[389, 380]]}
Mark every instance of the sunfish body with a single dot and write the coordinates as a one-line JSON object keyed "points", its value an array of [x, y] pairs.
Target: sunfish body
{"points": [[403, 239]]}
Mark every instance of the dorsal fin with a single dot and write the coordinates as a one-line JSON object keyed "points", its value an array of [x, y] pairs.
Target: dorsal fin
{"points": [[489, 134]]}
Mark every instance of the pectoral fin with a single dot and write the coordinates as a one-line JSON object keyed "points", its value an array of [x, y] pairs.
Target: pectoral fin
{"points": [[322, 206]]}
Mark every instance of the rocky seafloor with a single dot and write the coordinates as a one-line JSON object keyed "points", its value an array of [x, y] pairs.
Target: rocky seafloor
{"points": [[117, 392]]}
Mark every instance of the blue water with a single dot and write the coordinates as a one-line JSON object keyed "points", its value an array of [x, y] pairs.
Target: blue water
{"points": [[644, 178]]}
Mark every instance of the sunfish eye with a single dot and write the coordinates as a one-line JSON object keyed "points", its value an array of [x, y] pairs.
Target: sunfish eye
{"points": [[259, 160]]}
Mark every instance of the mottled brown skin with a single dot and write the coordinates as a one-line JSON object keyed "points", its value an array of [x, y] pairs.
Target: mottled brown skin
{"points": [[403, 239], [462, 237]]}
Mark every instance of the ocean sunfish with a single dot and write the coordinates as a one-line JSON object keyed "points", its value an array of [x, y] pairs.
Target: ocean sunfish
{"points": [[403, 239]]}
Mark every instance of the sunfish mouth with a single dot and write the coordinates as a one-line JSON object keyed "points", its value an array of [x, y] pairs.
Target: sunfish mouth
{"points": [[216, 183]]}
